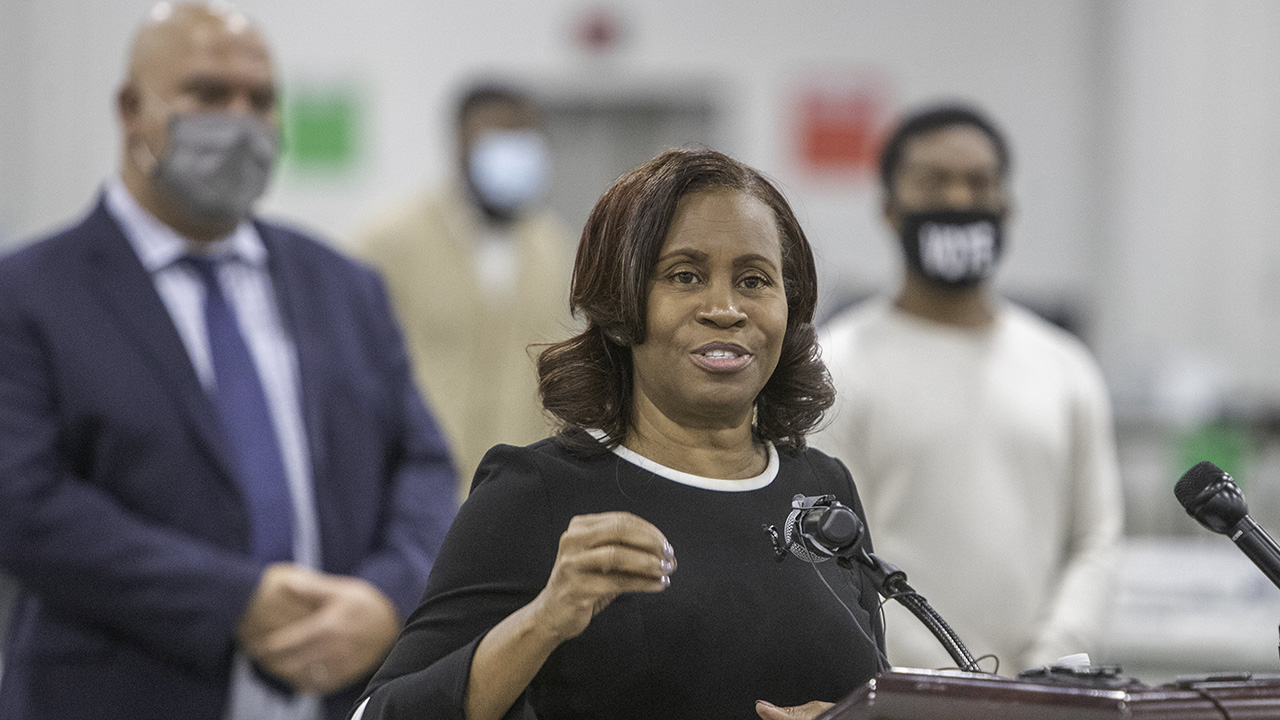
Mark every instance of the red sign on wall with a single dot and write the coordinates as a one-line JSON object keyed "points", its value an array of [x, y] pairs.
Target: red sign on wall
{"points": [[839, 127]]}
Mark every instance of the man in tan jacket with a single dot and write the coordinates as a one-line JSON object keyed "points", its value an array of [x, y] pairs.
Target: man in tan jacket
{"points": [[478, 273]]}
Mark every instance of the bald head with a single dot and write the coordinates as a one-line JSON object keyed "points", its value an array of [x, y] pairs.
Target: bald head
{"points": [[179, 40], [188, 59]]}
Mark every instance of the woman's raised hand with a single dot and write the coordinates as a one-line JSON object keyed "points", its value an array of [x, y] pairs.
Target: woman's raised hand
{"points": [[600, 557]]}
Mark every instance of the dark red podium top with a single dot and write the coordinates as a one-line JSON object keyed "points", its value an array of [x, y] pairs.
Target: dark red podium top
{"points": [[909, 694]]}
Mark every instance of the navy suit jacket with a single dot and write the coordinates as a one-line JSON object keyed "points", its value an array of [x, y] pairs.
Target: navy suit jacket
{"points": [[118, 512]]}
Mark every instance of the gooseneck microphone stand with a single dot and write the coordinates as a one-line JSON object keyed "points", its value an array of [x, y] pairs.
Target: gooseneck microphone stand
{"points": [[825, 526], [891, 582]]}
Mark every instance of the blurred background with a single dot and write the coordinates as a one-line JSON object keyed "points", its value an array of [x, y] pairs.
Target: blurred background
{"points": [[1145, 176]]}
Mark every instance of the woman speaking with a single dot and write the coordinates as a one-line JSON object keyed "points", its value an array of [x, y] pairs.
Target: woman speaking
{"points": [[621, 569]]}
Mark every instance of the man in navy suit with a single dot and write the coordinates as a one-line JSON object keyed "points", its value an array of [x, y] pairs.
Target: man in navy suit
{"points": [[220, 491]]}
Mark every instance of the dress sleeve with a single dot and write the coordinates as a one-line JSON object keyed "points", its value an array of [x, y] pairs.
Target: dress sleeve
{"points": [[495, 559]]}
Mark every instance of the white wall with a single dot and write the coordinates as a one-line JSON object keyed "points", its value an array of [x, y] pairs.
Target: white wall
{"points": [[1032, 64], [1144, 166], [1194, 254], [1147, 173]]}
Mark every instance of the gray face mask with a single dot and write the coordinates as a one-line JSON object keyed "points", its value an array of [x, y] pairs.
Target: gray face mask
{"points": [[217, 164]]}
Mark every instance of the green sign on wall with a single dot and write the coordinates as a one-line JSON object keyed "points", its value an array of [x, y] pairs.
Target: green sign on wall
{"points": [[321, 127]]}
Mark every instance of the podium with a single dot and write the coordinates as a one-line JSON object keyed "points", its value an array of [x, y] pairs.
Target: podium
{"points": [[910, 694]]}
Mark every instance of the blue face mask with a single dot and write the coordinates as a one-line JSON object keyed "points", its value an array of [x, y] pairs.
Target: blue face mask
{"points": [[953, 248], [508, 169]]}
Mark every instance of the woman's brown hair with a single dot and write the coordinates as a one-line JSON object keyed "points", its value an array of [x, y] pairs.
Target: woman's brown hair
{"points": [[585, 381]]}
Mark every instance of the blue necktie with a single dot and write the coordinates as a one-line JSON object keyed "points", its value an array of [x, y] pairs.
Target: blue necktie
{"points": [[246, 422]]}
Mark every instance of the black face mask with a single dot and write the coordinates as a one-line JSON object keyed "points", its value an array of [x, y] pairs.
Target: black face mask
{"points": [[952, 248]]}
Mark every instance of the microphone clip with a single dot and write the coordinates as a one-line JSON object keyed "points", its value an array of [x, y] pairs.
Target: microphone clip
{"points": [[809, 502], [779, 545]]}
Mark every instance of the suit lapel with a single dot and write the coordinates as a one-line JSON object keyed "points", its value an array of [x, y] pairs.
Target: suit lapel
{"points": [[127, 291]]}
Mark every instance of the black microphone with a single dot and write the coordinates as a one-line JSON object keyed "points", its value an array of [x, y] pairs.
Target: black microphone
{"points": [[1215, 501], [822, 527]]}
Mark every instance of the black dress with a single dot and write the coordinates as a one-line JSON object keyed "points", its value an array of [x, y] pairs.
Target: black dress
{"points": [[736, 624]]}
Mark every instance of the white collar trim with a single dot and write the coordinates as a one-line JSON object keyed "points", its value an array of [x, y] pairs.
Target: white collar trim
{"points": [[698, 481]]}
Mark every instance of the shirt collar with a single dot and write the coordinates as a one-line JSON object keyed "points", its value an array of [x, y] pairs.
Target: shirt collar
{"points": [[158, 246], [684, 478]]}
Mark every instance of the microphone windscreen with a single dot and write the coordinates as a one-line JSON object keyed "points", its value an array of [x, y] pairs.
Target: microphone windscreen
{"points": [[1195, 480]]}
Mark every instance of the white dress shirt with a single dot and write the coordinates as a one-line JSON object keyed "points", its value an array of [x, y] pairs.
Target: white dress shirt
{"points": [[246, 282]]}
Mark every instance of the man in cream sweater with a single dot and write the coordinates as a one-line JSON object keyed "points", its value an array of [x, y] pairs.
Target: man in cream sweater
{"points": [[979, 435]]}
